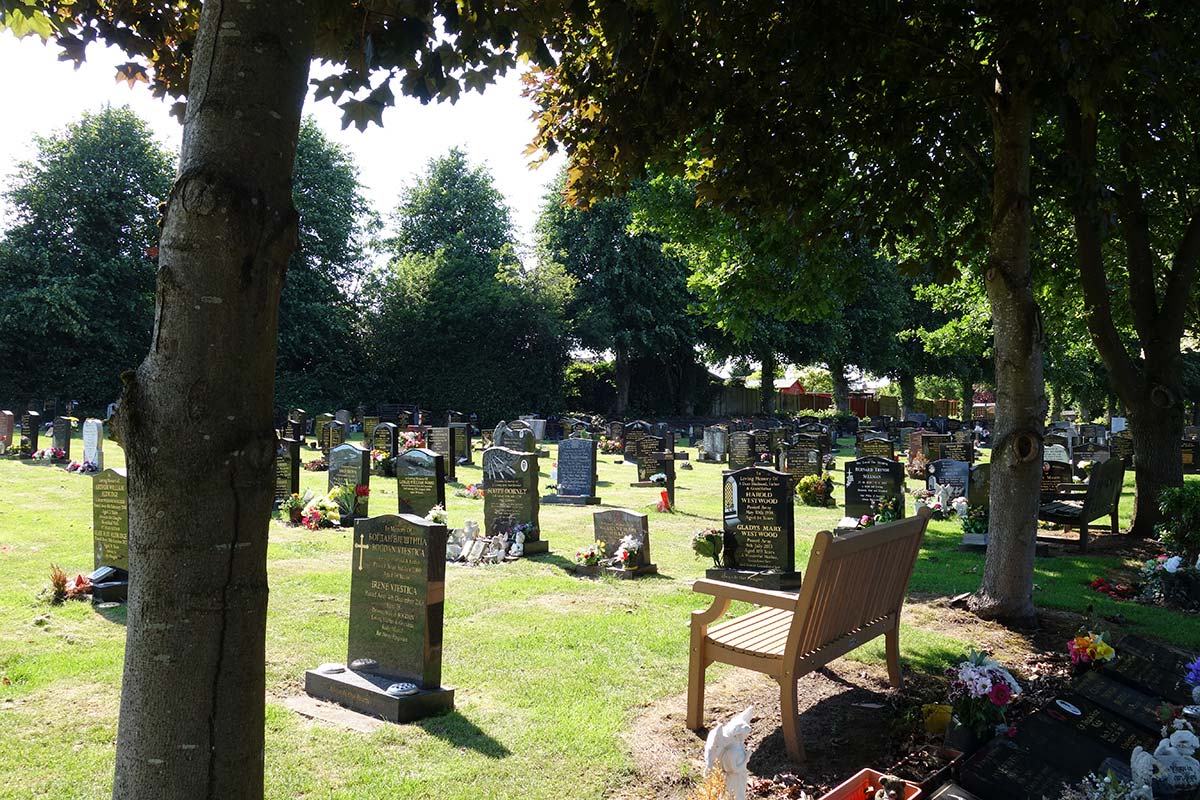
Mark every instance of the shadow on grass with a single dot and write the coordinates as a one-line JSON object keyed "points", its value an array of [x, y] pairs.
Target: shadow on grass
{"points": [[116, 613], [459, 731]]}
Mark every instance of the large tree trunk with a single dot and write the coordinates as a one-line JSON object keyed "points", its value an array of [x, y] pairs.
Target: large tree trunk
{"points": [[622, 371], [197, 418], [1056, 401], [1006, 591], [1158, 460], [841, 385], [908, 394], [770, 366], [966, 399]]}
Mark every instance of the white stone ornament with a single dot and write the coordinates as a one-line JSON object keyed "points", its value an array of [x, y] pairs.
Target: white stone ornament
{"points": [[726, 748]]}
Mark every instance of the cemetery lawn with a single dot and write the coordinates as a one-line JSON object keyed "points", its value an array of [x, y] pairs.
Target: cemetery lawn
{"points": [[550, 670]]}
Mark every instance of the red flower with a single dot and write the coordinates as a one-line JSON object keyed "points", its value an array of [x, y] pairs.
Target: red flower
{"points": [[362, 491], [1000, 694]]}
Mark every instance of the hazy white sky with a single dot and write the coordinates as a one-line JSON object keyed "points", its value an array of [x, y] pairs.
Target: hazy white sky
{"points": [[41, 94]]}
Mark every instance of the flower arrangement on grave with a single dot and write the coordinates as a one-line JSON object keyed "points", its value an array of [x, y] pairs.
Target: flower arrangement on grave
{"points": [[1169, 580], [609, 446], [926, 498], [411, 439], [437, 515], [708, 544], [590, 556], [974, 519], [981, 692], [1117, 591], [884, 512], [50, 454], [660, 478], [1093, 787], [64, 588], [1088, 648], [627, 555], [918, 466], [815, 490], [472, 491], [317, 465], [291, 508], [323, 511], [663, 506], [382, 463], [83, 467]]}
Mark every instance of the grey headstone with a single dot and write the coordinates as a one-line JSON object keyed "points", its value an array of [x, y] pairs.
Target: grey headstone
{"points": [[110, 519]]}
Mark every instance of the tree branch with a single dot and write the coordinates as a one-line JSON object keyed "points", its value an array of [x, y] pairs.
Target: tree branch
{"points": [[1143, 296], [1180, 280]]}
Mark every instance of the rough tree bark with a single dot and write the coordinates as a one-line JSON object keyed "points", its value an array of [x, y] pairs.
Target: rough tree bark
{"points": [[197, 418], [770, 367], [621, 368], [841, 385], [908, 394], [966, 399], [1149, 386], [1056, 401], [1006, 591]]}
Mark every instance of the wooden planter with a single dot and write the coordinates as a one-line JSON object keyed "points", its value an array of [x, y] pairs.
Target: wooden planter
{"points": [[863, 785]]}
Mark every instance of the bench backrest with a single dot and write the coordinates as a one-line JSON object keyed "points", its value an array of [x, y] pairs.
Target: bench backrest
{"points": [[853, 580], [1104, 488]]}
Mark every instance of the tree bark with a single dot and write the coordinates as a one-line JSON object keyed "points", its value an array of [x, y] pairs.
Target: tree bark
{"points": [[622, 373], [1056, 401], [770, 366], [966, 399], [841, 385], [197, 418], [908, 394], [1006, 591]]}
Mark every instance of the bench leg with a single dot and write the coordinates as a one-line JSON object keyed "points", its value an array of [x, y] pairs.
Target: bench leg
{"points": [[789, 709], [892, 645], [695, 699], [1115, 529]]}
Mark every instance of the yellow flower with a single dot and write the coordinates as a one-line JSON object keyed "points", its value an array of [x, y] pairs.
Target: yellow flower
{"points": [[1104, 651]]}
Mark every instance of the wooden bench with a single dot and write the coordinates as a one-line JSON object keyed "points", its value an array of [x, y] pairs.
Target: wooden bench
{"points": [[853, 592], [1077, 505]]}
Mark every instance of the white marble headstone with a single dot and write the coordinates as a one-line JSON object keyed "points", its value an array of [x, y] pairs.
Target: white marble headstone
{"points": [[93, 442]]}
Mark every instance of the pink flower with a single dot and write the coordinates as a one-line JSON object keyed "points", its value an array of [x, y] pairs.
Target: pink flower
{"points": [[1000, 694]]}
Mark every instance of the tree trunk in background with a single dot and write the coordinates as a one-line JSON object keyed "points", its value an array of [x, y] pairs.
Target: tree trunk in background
{"points": [[841, 385], [193, 693], [770, 367], [1006, 591], [908, 394], [1056, 401], [622, 370], [1157, 452], [967, 399]]}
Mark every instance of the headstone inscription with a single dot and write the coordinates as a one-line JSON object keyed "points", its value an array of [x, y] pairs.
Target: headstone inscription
{"points": [[350, 465], [800, 460], [510, 496], [576, 474], [369, 424], [870, 480], [1053, 473], [741, 451], [630, 435], [333, 434], [613, 526], [461, 437], [62, 435], [961, 447], [760, 537], [763, 442], [441, 440], [319, 427], [979, 487], [1149, 671], [878, 446], [656, 463], [931, 445], [420, 481], [1121, 699], [397, 592], [948, 472], [93, 442], [7, 425], [30, 424], [614, 430], [1122, 446], [110, 535], [1006, 770], [1056, 453], [386, 438], [646, 445], [287, 469]]}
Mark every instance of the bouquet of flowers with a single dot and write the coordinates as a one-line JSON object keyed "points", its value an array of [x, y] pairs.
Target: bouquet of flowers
{"points": [[927, 498], [974, 519], [981, 692], [83, 467], [411, 439], [610, 446], [627, 552], [664, 502], [317, 465], [322, 512], [660, 478], [472, 491], [1090, 648], [437, 515], [383, 463], [590, 556], [50, 454], [1169, 580], [708, 544], [1093, 787]]}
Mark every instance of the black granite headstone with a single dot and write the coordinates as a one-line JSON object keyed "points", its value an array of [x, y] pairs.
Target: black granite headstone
{"points": [[461, 436], [979, 487], [631, 434], [759, 528], [287, 469], [878, 446], [386, 438], [799, 461], [646, 445], [110, 533], [441, 440], [30, 430], [947, 472], [62, 436], [870, 480], [350, 465], [576, 473], [510, 495], [1120, 699], [741, 451], [615, 524], [420, 481], [1053, 473]]}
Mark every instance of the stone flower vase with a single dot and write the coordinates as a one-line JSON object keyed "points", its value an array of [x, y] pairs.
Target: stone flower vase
{"points": [[295, 514], [962, 738]]}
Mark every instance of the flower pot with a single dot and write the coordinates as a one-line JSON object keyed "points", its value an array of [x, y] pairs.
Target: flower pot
{"points": [[587, 570], [864, 784], [962, 738], [929, 767], [295, 515]]}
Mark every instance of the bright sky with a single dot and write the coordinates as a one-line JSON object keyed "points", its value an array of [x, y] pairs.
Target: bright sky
{"points": [[42, 94]]}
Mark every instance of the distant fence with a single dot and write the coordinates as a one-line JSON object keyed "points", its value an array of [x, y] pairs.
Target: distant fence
{"points": [[736, 401]]}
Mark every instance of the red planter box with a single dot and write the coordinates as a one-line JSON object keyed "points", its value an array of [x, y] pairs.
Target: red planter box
{"points": [[863, 786]]}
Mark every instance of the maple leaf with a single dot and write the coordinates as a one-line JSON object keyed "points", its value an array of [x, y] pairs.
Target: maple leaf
{"points": [[132, 73]]}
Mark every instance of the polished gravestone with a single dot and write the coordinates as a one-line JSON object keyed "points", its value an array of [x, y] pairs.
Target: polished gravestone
{"points": [[441, 441], [1137, 706], [657, 462], [350, 465], [979, 486], [871, 479], [799, 461], [420, 481], [1122, 447], [1053, 474], [948, 472], [7, 426], [333, 435], [1004, 770], [931, 445], [93, 442], [319, 424], [369, 424], [877, 446], [959, 448], [760, 537], [462, 442], [30, 430], [110, 535], [287, 469], [613, 525], [397, 591], [510, 495], [576, 474], [741, 451], [62, 436], [631, 434], [386, 438]]}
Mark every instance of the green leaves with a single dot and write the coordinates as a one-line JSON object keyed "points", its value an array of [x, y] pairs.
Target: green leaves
{"points": [[361, 113], [23, 18]]}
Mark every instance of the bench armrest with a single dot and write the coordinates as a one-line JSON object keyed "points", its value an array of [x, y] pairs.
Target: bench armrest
{"points": [[747, 594]]}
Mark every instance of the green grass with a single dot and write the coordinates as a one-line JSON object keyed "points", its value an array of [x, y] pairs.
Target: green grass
{"points": [[549, 669]]}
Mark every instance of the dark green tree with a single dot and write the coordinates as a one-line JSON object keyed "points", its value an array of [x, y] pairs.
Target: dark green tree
{"points": [[456, 321], [78, 262], [320, 361]]}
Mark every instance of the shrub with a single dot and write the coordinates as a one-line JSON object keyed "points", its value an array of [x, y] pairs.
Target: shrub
{"points": [[815, 490], [1179, 529]]}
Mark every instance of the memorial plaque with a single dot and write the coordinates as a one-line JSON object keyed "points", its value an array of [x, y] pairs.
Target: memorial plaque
{"points": [[350, 465], [1054, 473], [758, 520], [763, 443], [741, 451], [956, 450], [1120, 699], [877, 446], [799, 461], [510, 495], [62, 435], [947, 472], [871, 479], [462, 442], [110, 519], [1145, 675], [369, 425], [7, 426], [577, 470], [333, 435], [1118, 734], [386, 438], [611, 526], [93, 442], [646, 447], [1004, 770], [30, 430], [287, 469], [441, 440], [1049, 730], [420, 481], [1122, 447], [931, 445], [630, 436]]}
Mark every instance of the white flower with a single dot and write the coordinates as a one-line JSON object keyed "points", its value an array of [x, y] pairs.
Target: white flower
{"points": [[1172, 564]]}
